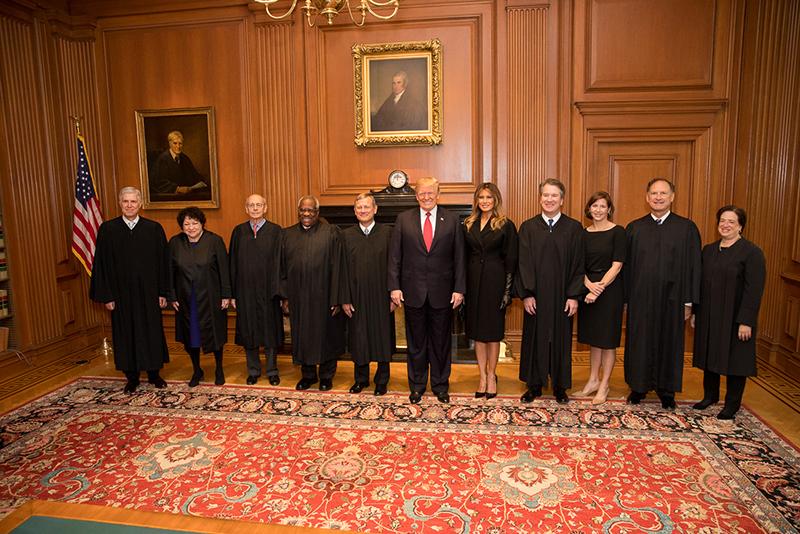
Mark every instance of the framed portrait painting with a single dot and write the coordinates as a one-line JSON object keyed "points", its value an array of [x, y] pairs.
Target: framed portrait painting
{"points": [[398, 93], [177, 158]]}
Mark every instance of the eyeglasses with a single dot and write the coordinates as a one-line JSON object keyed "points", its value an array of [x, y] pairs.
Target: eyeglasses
{"points": [[307, 210], [256, 205]]}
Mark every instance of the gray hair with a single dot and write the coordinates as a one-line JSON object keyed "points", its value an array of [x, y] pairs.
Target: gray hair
{"points": [[308, 197], [129, 189], [174, 134]]}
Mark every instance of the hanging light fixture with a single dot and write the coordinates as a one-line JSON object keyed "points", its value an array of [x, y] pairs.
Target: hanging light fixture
{"points": [[330, 8]]}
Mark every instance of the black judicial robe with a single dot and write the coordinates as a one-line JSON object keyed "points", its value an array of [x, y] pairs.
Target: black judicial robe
{"points": [[131, 269], [551, 269], [662, 273], [731, 287], [204, 265], [314, 278], [255, 264], [371, 335]]}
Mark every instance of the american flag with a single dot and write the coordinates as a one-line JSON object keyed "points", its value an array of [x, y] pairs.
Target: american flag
{"points": [[86, 217]]}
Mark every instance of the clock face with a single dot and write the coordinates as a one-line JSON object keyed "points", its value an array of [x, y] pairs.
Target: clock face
{"points": [[398, 179]]}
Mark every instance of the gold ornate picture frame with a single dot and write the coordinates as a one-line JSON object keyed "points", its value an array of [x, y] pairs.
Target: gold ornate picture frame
{"points": [[398, 93], [177, 158]]}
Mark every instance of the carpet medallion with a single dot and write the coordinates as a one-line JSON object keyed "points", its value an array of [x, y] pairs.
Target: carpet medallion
{"points": [[363, 463]]}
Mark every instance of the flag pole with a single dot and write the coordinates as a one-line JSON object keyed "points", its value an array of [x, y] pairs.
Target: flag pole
{"points": [[77, 122]]}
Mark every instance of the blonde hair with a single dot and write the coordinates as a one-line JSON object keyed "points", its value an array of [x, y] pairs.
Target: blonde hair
{"points": [[428, 180], [498, 216]]}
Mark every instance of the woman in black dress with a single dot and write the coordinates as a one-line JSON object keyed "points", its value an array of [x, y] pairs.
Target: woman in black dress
{"points": [[491, 244], [600, 322], [732, 283], [200, 290]]}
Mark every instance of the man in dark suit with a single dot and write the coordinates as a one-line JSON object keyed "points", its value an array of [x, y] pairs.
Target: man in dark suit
{"points": [[427, 273]]}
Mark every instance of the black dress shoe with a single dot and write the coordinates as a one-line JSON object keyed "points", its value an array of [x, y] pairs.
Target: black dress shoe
{"points": [[490, 396], [561, 396], [219, 376], [636, 397], [131, 386], [415, 397], [196, 378], [380, 389], [443, 397], [480, 394], [357, 387], [274, 380], [705, 403], [530, 395], [726, 414], [325, 384], [668, 402], [158, 382], [251, 380], [305, 383]]}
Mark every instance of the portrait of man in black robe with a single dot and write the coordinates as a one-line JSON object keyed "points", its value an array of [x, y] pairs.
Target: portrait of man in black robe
{"points": [[662, 282], [549, 282], [255, 256], [130, 277], [404, 109], [370, 312], [314, 285], [173, 176]]}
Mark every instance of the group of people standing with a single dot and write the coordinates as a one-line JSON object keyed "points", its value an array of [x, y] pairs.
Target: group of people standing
{"points": [[340, 290]]}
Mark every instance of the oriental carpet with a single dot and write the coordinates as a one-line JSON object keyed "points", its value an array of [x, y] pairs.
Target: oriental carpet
{"points": [[379, 464]]}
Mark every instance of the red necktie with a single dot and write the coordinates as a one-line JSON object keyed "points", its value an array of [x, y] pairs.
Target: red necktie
{"points": [[427, 232], [255, 230]]}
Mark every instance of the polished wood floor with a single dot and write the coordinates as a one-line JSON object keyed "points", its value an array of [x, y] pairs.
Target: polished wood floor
{"points": [[773, 396]]}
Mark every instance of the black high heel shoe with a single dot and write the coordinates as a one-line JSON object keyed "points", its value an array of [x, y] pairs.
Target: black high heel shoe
{"points": [[492, 395], [480, 394]]}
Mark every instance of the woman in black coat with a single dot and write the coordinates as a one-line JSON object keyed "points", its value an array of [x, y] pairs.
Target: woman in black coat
{"points": [[491, 245], [725, 320], [200, 290]]}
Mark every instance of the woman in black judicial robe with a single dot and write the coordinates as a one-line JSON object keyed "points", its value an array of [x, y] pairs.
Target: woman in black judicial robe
{"points": [[732, 283], [491, 247], [200, 291], [600, 320]]}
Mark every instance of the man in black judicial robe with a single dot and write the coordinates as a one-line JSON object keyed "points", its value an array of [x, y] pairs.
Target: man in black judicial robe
{"points": [[314, 284], [255, 256], [549, 282], [662, 282], [130, 276], [173, 173], [370, 326]]}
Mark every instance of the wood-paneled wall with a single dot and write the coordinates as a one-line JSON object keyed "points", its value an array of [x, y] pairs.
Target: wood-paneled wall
{"points": [[601, 94]]}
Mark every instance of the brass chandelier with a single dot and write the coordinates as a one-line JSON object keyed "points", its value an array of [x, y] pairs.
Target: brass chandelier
{"points": [[330, 8]]}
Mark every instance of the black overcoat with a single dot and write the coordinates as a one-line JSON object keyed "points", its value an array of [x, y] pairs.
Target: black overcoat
{"points": [[491, 255]]}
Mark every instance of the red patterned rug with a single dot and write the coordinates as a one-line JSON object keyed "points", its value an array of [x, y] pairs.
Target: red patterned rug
{"points": [[371, 464]]}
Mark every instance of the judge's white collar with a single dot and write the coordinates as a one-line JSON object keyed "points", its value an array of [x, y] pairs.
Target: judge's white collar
{"points": [[662, 218], [555, 218], [131, 222], [367, 229]]}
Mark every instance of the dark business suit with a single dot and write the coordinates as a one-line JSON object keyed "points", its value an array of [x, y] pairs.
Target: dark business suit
{"points": [[428, 281]]}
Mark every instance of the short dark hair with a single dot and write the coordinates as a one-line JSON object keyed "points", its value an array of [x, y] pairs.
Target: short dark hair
{"points": [[192, 212], [740, 214], [660, 179], [594, 198], [552, 181]]}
